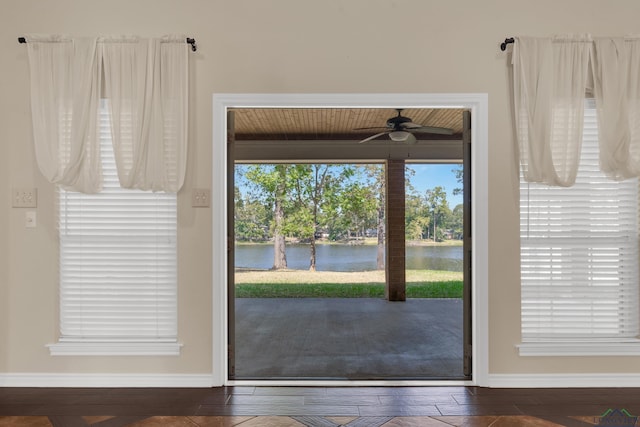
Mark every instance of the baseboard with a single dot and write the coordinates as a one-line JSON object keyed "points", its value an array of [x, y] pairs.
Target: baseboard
{"points": [[205, 380], [104, 380], [563, 380]]}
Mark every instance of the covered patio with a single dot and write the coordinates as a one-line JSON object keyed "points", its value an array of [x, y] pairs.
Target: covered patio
{"points": [[348, 338]]}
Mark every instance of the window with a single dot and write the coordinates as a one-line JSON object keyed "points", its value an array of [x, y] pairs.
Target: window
{"points": [[579, 261], [118, 273]]}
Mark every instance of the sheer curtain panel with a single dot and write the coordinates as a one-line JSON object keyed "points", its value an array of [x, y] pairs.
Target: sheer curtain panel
{"points": [[550, 77], [65, 93], [616, 70], [146, 82]]}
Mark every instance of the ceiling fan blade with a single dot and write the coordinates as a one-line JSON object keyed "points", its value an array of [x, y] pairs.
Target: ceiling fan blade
{"points": [[373, 137], [371, 128], [410, 125], [427, 129]]}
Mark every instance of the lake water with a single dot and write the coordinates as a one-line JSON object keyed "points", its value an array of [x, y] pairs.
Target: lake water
{"points": [[349, 258]]}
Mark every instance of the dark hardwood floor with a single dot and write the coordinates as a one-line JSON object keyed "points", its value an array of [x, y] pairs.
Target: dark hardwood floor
{"points": [[318, 406]]}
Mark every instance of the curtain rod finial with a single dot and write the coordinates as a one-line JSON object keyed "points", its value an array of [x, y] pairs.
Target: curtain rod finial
{"points": [[503, 45]]}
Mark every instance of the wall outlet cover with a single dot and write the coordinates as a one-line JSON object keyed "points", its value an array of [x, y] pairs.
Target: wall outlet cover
{"points": [[200, 197]]}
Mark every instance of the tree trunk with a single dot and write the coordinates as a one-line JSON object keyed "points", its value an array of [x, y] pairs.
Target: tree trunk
{"points": [[312, 257], [435, 234], [380, 252], [312, 247], [279, 251], [382, 200]]}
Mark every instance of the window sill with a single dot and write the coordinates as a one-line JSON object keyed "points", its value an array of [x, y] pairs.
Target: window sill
{"points": [[580, 348], [104, 348]]}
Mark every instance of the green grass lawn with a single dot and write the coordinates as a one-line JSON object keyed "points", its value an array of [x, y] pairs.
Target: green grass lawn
{"points": [[325, 284], [452, 289]]}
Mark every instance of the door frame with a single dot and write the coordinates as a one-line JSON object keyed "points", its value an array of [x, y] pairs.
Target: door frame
{"points": [[477, 103]]}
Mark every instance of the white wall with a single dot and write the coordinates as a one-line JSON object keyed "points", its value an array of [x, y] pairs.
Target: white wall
{"points": [[278, 46]]}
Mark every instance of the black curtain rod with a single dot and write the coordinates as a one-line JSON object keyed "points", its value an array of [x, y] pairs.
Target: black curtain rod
{"points": [[191, 41], [503, 45]]}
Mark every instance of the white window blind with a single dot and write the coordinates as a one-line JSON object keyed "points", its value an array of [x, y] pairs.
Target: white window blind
{"points": [[117, 260], [579, 253]]}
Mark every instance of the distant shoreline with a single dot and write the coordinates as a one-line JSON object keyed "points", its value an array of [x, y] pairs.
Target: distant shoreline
{"points": [[369, 241]]}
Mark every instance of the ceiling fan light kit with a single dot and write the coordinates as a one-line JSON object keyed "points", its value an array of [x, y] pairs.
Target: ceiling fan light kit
{"points": [[399, 135]]}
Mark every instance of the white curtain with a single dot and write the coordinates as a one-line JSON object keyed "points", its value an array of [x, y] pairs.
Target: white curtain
{"points": [[550, 77], [616, 71], [65, 92], [146, 83]]}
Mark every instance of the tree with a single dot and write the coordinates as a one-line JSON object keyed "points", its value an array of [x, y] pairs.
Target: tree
{"points": [[417, 228], [250, 218], [303, 199], [457, 221], [374, 175], [280, 193], [355, 210], [436, 199], [312, 187], [417, 217], [459, 171], [270, 184]]}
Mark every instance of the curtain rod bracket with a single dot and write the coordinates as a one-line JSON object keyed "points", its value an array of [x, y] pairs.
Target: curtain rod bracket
{"points": [[507, 41], [190, 41]]}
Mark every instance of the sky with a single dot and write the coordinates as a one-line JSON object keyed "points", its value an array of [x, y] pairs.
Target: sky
{"points": [[432, 175]]}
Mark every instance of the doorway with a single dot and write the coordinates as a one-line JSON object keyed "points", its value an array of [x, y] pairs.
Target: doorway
{"points": [[315, 307], [345, 150]]}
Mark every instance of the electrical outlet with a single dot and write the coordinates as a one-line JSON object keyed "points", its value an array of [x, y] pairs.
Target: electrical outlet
{"points": [[24, 197], [200, 198]]}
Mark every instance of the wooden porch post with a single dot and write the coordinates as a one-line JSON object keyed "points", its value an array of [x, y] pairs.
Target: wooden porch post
{"points": [[395, 289]]}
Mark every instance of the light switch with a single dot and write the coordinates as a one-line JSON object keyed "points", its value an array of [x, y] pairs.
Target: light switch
{"points": [[30, 219], [24, 198]]}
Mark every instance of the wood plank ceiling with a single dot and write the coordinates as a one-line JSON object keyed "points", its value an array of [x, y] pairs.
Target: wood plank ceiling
{"points": [[289, 124]]}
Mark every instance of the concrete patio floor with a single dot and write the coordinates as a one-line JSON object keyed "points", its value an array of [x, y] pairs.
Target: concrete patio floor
{"points": [[351, 338]]}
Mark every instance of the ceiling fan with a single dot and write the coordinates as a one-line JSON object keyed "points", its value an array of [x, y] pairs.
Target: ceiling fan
{"points": [[401, 129]]}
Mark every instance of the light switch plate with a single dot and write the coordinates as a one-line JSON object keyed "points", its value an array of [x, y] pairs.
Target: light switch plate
{"points": [[30, 219], [24, 198], [200, 198]]}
